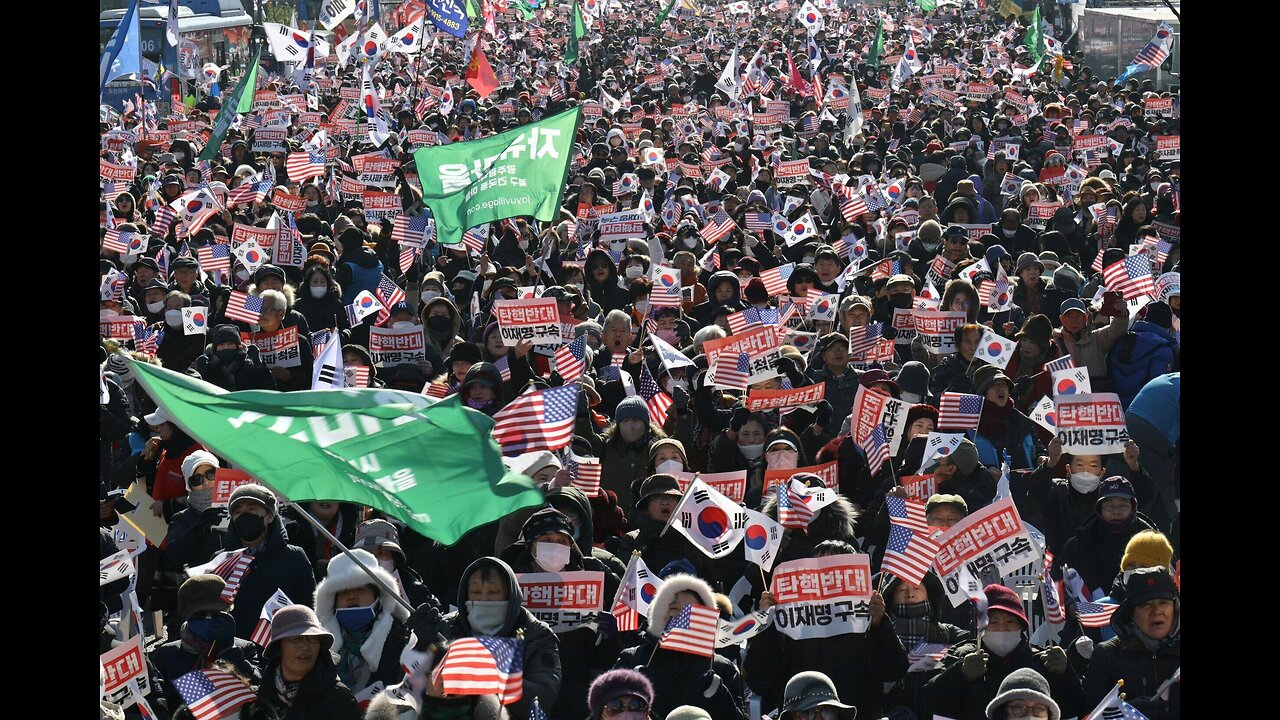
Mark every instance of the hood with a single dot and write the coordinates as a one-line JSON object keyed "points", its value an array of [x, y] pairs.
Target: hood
{"points": [[455, 320], [514, 606], [672, 585], [573, 499], [362, 256], [344, 574], [977, 184], [946, 215], [932, 586], [837, 521], [1142, 327], [596, 256], [721, 276]]}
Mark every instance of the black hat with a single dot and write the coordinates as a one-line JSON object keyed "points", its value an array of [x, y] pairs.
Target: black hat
{"points": [[812, 689], [267, 271], [224, 334], [659, 484], [144, 262], [1149, 584], [546, 520], [464, 352], [155, 283], [183, 262]]}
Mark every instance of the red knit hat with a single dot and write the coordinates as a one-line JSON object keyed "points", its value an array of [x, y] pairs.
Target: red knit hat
{"points": [[1000, 597]]}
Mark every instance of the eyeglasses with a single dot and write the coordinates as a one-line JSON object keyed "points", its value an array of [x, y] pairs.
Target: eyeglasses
{"points": [[619, 706], [1019, 710], [201, 478], [821, 713]]}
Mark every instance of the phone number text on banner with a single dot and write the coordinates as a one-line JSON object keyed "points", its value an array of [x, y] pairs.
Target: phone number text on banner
{"points": [[565, 601], [822, 597]]}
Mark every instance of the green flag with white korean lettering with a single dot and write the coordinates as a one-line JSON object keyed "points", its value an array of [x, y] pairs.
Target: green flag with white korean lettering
{"points": [[433, 465], [514, 173], [240, 101]]}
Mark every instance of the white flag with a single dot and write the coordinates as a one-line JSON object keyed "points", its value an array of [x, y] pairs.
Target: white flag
{"points": [[333, 12], [1071, 381], [994, 349], [728, 81], [251, 255], [939, 445], [328, 373], [374, 114], [762, 539], [195, 320], [366, 304], [739, 630], [710, 520], [639, 585], [1045, 414], [408, 40]]}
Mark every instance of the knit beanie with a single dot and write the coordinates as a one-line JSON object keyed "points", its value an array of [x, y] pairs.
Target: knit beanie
{"points": [[632, 408], [1023, 684], [1147, 549]]}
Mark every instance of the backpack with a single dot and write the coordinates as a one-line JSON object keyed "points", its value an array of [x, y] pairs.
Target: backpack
{"points": [[1137, 358]]}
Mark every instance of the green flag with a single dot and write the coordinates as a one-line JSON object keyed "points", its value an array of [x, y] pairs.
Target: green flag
{"points": [[579, 30], [526, 11], [877, 46], [517, 172], [1033, 40], [927, 5], [434, 466], [240, 101], [665, 12]]}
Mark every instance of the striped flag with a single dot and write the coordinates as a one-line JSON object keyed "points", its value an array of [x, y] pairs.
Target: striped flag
{"points": [[356, 376], [735, 375], [407, 255], [248, 192], [1095, 615], [775, 279], [504, 367], [655, 398], [436, 390], [164, 218], [388, 293], [214, 257], [1114, 708], [212, 694], [793, 509], [483, 666], [1066, 362], [639, 585], [410, 230], [1051, 592], [1131, 277], [959, 411], [877, 449], [540, 420], [864, 340], [910, 551], [304, 165], [586, 473], [147, 340], [262, 631], [926, 656], [852, 206], [242, 307], [717, 227], [476, 238], [571, 359], [756, 221], [692, 630]]}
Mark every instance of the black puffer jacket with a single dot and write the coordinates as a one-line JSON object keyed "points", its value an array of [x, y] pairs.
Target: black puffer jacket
{"points": [[607, 294], [246, 373], [951, 694], [276, 566], [1095, 551], [909, 692], [1143, 669], [321, 696]]}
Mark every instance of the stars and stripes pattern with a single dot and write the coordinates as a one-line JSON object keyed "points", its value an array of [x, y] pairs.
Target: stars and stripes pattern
{"points": [[212, 694], [959, 411], [242, 307], [731, 372], [164, 218], [585, 473], [775, 279], [355, 376], [862, 342], [657, 400], [388, 293], [1132, 276], [232, 570], [930, 651], [1066, 362], [476, 238], [877, 449], [571, 359], [409, 230], [262, 631], [852, 205], [540, 420], [910, 551], [1095, 615], [436, 390], [214, 257], [793, 509], [304, 165], [147, 340], [408, 254], [692, 630], [756, 221], [717, 227], [504, 367], [483, 666]]}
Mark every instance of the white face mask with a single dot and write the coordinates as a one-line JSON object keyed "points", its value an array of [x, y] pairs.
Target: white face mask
{"points": [[669, 466], [403, 325], [524, 245], [783, 459], [551, 557], [1001, 643], [642, 306], [807, 259], [428, 295], [912, 398], [633, 271], [575, 286], [318, 292], [106, 312], [155, 307], [487, 617], [388, 565], [1085, 482], [752, 452], [671, 384], [1008, 233], [689, 242], [173, 318], [1154, 185]]}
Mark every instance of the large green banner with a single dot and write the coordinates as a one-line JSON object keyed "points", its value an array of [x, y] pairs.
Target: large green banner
{"points": [[517, 172], [433, 465]]}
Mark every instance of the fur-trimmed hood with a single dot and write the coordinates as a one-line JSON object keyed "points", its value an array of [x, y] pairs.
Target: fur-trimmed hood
{"points": [[345, 575], [837, 521], [672, 585]]}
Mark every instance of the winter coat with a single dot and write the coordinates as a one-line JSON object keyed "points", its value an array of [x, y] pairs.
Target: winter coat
{"points": [[173, 661], [607, 294], [1024, 239], [841, 392], [909, 691], [951, 694], [276, 565], [953, 374], [1059, 509], [191, 540], [178, 350], [321, 695], [657, 549], [318, 549], [1091, 349], [1132, 363], [704, 312], [327, 312], [837, 521], [358, 270], [247, 373], [379, 653], [1017, 436], [1095, 553], [621, 464], [1126, 657]]}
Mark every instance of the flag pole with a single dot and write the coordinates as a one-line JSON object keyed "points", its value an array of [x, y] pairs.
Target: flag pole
{"points": [[395, 594]]}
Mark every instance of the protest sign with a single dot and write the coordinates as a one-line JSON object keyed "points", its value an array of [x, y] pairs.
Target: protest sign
{"points": [[829, 473], [1168, 147], [761, 345], [393, 347], [732, 484], [920, 487], [282, 199], [1091, 424], [118, 327], [376, 170], [905, 323], [531, 320], [868, 407], [936, 329], [127, 661], [779, 399], [379, 205], [893, 416], [270, 139], [791, 172], [622, 225], [278, 349], [225, 481], [991, 536], [822, 597], [566, 600]]}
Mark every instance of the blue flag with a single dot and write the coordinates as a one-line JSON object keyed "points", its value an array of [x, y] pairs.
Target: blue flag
{"points": [[449, 16], [123, 53]]}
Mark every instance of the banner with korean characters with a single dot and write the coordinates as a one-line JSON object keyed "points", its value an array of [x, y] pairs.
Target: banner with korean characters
{"points": [[936, 329], [278, 349], [761, 345], [822, 597], [393, 347], [533, 320], [1091, 424], [566, 600], [992, 536], [784, 399], [376, 170], [732, 484]]}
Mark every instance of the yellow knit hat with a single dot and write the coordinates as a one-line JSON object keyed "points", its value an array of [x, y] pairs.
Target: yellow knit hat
{"points": [[1147, 549]]}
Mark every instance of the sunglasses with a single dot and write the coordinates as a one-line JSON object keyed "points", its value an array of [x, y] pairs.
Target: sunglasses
{"points": [[201, 478], [619, 706]]}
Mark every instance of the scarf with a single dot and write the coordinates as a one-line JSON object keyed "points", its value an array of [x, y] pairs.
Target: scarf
{"points": [[285, 690], [994, 421], [911, 620], [352, 668]]}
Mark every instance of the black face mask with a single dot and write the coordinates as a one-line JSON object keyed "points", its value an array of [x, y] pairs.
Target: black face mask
{"points": [[229, 356], [249, 527], [439, 323], [900, 300], [762, 185]]}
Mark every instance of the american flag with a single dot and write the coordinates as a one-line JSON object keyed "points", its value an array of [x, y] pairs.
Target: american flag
{"points": [[1131, 277], [476, 238], [232, 570], [483, 666], [744, 319], [959, 411], [717, 227], [877, 450], [932, 651], [571, 359], [910, 551], [1066, 362], [320, 339], [756, 221], [147, 340], [586, 473], [262, 631], [692, 630], [425, 103], [733, 375], [355, 376], [1117, 709], [1161, 247], [409, 230], [164, 218], [541, 420], [1156, 51], [245, 308], [249, 192], [212, 694], [388, 294], [655, 398], [214, 257], [117, 241], [436, 390], [775, 279], [1095, 615], [304, 165], [886, 269], [863, 340], [407, 255], [793, 509]]}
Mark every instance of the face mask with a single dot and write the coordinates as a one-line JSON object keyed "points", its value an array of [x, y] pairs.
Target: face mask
{"points": [[487, 616], [689, 242], [439, 323], [356, 618], [429, 295], [221, 627], [551, 556], [1008, 233], [1085, 482], [752, 452], [1154, 185], [575, 286], [671, 337], [155, 307], [930, 246], [228, 356], [524, 245], [911, 398], [900, 300], [672, 384], [173, 318], [476, 404], [642, 306], [633, 271], [782, 459], [1002, 643], [318, 292], [106, 312], [242, 273], [388, 565], [200, 499], [807, 259], [402, 325], [669, 467], [249, 527]]}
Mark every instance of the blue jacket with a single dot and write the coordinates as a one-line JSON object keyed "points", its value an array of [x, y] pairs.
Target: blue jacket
{"points": [[1131, 363], [1158, 402], [986, 211]]}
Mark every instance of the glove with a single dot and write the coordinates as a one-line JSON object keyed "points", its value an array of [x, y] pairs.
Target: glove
{"points": [[584, 407], [740, 415], [212, 516], [1055, 660], [425, 622], [606, 625], [786, 365], [1084, 646], [974, 665], [681, 397], [822, 416], [710, 684]]}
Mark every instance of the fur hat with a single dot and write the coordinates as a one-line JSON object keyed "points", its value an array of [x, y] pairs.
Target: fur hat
{"points": [[1147, 549], [922, 410], [615, 684], [671, 586], [195, 460], [1023, 684], [1000, 597], [1037, 329], [344, 574]]}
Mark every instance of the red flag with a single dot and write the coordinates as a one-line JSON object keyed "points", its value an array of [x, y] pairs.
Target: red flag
{"points": [[480, 73], [802, 86]]}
